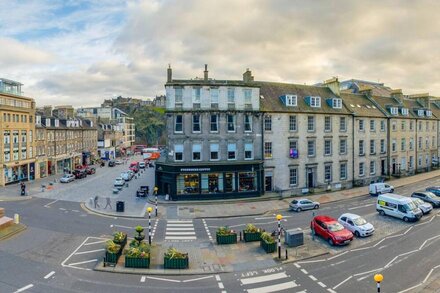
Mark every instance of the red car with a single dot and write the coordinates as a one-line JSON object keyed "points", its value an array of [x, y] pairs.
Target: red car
{"points": [[329, 229]]}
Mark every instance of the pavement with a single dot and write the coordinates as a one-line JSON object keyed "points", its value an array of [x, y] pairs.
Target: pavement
{"points": [[268, 203]]}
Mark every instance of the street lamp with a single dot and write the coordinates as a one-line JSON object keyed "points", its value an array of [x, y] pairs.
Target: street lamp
{"points": [[149, 209], [279, 217], [378, 278], [155, 194]]}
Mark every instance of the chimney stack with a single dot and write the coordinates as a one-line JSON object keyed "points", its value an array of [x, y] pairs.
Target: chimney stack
{"points": [[333, 85], [205, 73], [422, 99], [397, 95], [169, 73], [247, 76]]}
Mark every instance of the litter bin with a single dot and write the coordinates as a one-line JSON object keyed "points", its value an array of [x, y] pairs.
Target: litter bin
{"points": [[120, 206], [294, 237]]}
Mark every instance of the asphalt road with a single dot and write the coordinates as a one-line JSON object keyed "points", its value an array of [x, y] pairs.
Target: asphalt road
{"points": [[42, 259]]}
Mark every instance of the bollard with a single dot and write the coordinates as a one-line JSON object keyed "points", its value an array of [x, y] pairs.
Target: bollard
{"points": [[287, 255], [16, 218], [240, 237]]}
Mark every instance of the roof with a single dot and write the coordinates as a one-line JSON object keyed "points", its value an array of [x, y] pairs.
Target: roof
{"points": [[272, 91], [360, 105], [378, 89], [210, 82], [324, 218]]}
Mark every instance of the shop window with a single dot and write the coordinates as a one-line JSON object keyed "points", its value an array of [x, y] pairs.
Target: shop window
{"points": [[188, 183], [229, 182], [212, 183], [247, 181]]}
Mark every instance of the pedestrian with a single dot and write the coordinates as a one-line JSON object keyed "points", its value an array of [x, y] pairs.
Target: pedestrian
{"points": [[147, 191], [96, 202], [23, 188], [108, 203]]}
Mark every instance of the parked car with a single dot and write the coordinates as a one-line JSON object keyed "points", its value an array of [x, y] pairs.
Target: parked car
{"points": [[79, 173], [428, 197], [142, 165], [379, 188], [111, 163], [329, 229], [126, 176], [90, 170], [119, 182], [131, 174], [425, 207], [67, 178], [135, 169], [398, 206], [356, 224], [303, 204], [434, 189], [118, 162]]}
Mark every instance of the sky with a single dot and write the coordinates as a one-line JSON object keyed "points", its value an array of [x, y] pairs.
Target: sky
{"points": [[81, 52]]}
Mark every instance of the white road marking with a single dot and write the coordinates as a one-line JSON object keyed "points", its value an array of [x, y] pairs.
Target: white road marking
{"points": [[96, 242], [181, 233], [297, 265], [274, 288], [181, 238], [82, 262], [63, 263], [266, 278], [52, 202], [63, 209], [179, 225], [89, 251], [359, 207], [331, 290], [143, 279], [322, 284], [312, 277], [24, 288], [49, 275], [179, 221], [267, 218], [217, 278], [221, 286], [342, 282], [197, 279], [179, 229], [119, 226], [163, 279], [304, 271], [75, 211]]}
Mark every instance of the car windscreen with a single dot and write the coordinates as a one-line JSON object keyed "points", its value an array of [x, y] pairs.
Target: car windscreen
{"points": [[410, 206], [335, 227], [359, 221], [431, 195]]}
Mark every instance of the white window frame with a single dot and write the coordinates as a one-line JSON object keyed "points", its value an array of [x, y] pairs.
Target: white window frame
{"points": [[343, 146], [420, 113], [372, 125], [249, 146], [372, 167], [343, 167], [361, 125], [214, 148], [404, 111], [293, 176], [337, 103], [250, 123], [394, 110], [315, 102], [361, 169], [199, 123], [372, 147], [291, 100], [329, 124], [233, 122], [327, 147], [176, 148], [310, 122], [293, 123], [342, 125], [232, 147], [428, 113], [328, 173], [311, 154]]}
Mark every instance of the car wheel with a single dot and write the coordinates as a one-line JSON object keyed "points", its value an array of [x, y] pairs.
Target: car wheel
{"points": [[405, 219], [356, 233], [299, 209], [330, 241], [382, 213], [392, 190], [316, 207]]}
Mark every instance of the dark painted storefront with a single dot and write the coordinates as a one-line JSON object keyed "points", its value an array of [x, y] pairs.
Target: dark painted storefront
{"points": [[210, 181]]}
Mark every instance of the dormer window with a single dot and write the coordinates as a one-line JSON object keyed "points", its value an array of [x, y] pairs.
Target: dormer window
{"points": [[394, 111], [428, 113], [337, 103], [315, 102], [404, 111], [291, 100], [420, 113]]}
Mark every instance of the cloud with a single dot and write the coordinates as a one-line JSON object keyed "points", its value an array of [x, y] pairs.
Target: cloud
{"points": [[14, 53], [124, 48]]}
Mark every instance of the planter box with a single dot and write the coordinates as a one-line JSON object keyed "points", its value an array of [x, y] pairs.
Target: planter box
{"points": [[122, 243], [251, 236], [176, 263], [226, 239], [112, 258], [134, 262], [268, 247]]}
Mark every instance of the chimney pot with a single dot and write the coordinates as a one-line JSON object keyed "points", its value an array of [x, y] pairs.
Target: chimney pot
{"points": [[205, 73]]}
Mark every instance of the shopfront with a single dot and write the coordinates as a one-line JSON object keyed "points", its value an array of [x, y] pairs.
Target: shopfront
{"points": [[64, 166], [43, 169], [14, 174], [210, 181], [86, 158]]}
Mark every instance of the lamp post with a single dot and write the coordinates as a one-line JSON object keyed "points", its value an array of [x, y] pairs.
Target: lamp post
{"points": [[155, 195], [378, 278], [279, 217], [149, 209]]}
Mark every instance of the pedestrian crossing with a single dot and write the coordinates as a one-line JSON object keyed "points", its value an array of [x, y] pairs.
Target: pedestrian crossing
{"points": [[276, 282], [180, 230]]}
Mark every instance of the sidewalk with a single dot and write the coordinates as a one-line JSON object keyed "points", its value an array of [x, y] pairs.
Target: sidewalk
{"points": [[269, 202], [12, 192]]}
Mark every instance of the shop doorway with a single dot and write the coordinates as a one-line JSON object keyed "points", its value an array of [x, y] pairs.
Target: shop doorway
{"points": [[310, 177], [268, 183]]}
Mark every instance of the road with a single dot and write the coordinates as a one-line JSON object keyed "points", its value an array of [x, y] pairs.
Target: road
{"points": [[58, 251]]}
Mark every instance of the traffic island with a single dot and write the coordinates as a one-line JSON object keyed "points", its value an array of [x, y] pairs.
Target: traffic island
{"points": [[8, 227]]}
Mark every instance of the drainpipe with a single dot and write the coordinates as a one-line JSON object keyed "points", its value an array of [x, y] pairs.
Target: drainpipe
{"points": [[353, 126], [263, 179], [416, 157], [389, 147]]}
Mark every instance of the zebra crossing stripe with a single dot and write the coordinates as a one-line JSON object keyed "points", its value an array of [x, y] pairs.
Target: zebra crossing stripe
{"points": [[263, 278], [273, 288]]}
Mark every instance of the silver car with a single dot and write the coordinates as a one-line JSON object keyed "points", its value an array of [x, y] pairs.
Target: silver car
{"points": [[303, 204], [425, 207]]}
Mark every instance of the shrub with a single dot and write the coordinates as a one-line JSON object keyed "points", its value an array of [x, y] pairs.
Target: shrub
{"points": [[267, 238], [250, 228], [173, 253], [112, 247], [139, 229], [118, 237], [225, 231]]}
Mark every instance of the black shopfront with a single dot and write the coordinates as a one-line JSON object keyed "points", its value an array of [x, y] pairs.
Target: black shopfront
{"points": [[210, 181]]}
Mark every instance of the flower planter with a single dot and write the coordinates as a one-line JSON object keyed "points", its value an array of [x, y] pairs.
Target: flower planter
{"points": [[136, 262], [251, 236], [112, 258], [122, 243], [268, 247], [176, 263], [226, 239]]}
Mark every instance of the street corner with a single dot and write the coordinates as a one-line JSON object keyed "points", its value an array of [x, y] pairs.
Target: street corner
{"points": [[15, 198]]}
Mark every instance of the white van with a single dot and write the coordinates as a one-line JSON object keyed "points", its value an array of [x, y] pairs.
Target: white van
{"points": [[379, 188], [398, 206]]}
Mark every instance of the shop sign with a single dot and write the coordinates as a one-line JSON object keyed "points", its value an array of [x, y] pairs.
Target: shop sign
{"points": [[195, 169]]}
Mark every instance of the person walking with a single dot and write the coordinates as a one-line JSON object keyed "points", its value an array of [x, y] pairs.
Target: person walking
{"points": [[108, 203], [96, 202]]}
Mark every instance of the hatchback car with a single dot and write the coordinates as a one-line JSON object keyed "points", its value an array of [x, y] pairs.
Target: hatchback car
{"points": [[425, 207], [303, 204], [329, 229], [118, 162], [119, 182], [79, 173], [428, 197], [434, 189], [67, 178], [142, 165], [126, 176], [111, 163], [90, 170], [356, 224]]}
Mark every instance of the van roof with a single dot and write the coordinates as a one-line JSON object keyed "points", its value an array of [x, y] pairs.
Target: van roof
{"points": [[395, 196]]}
